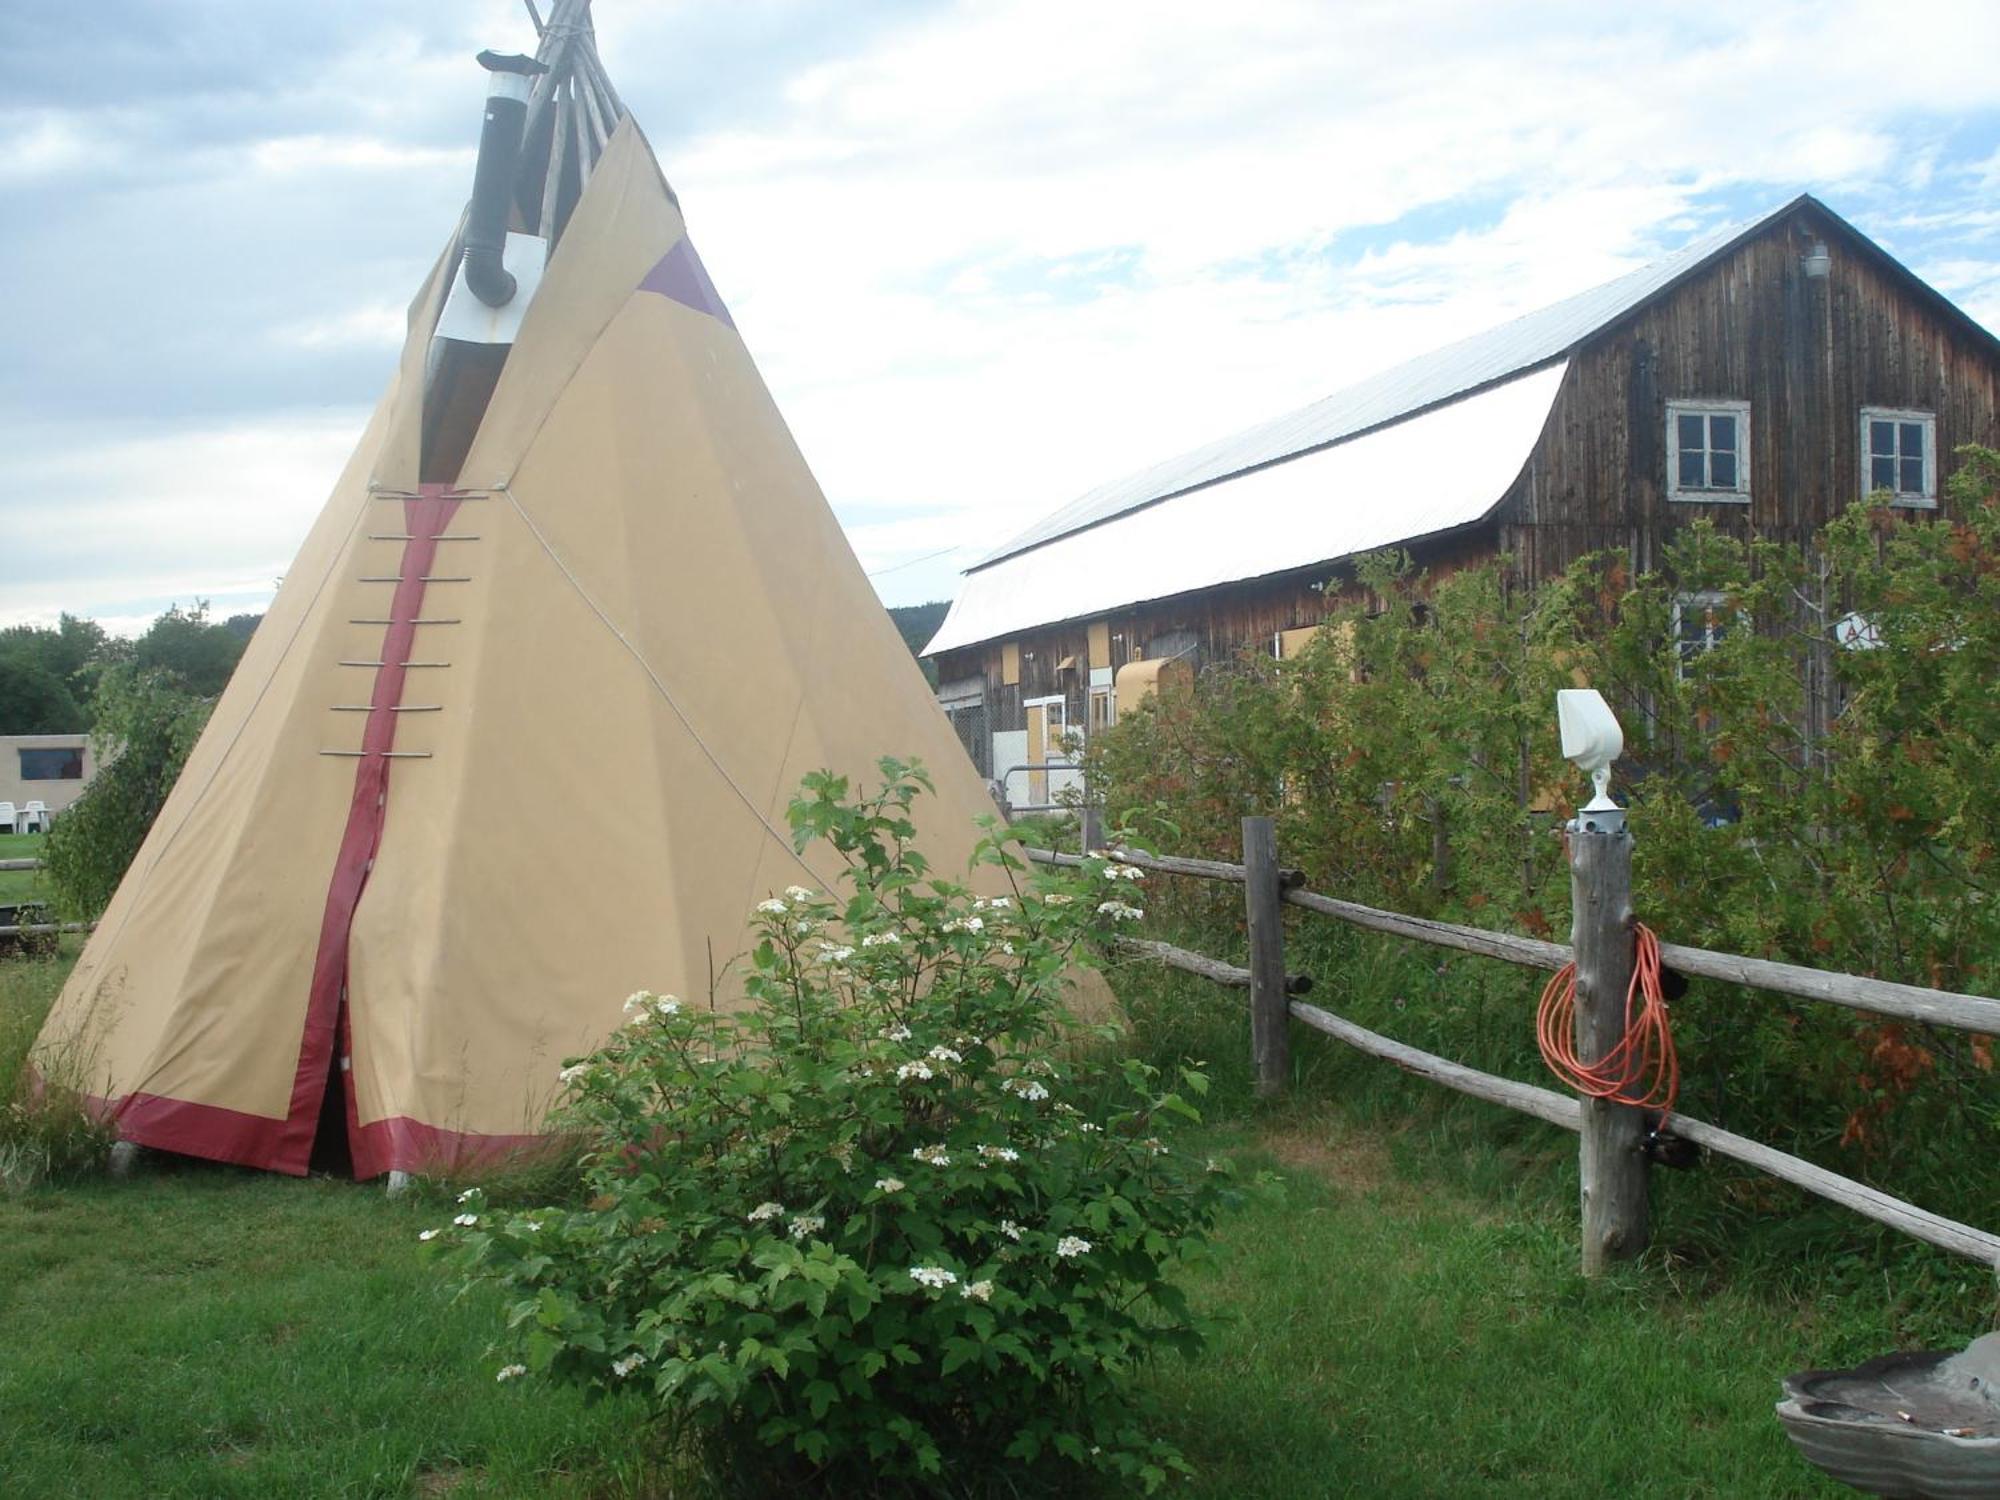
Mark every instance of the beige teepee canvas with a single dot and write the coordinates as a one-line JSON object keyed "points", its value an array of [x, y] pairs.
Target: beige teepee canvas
{"points": [[514, 741]]}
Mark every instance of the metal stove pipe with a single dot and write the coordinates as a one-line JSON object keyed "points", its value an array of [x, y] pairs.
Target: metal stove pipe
{"points": [[493, 179]]}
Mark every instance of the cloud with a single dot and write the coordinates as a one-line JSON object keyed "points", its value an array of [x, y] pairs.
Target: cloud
{"points": [[987, 255]]}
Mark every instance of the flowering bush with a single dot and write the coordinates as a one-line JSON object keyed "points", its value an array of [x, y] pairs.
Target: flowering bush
{"points": [[891, 1223]]}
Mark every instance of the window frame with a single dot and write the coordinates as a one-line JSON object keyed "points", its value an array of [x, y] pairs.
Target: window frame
{"points": [[1928, 500], [1710, 600], [72, 756], [1706, 407]]}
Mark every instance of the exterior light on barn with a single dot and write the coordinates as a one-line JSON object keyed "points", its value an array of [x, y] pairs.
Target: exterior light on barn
{"points": [[1818, 262]]}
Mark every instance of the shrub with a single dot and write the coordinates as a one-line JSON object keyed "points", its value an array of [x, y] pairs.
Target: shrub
{"points": [[895, 1223], [1823, 786]]}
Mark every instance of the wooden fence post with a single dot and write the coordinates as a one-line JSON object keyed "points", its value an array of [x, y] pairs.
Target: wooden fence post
{"points": [[1091, 817], [1612, 1157], [1264, 913]]}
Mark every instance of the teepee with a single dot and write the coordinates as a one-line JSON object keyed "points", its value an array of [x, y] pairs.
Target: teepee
{"points": [[517, 736]]}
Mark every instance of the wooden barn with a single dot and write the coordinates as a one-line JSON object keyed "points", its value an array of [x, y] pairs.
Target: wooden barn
{"points": [[1763, 378]]}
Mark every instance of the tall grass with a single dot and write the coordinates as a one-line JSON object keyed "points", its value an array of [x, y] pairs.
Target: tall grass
{"points": [[47, 1133], [1718, 1225]]}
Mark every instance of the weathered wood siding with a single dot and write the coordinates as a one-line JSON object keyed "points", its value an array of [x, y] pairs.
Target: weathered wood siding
{"points": [[1218, 623], [1806, 354]]}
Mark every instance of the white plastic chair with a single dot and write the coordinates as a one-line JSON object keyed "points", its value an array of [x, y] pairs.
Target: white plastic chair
{"points": [[9, 822], [35, 817]]}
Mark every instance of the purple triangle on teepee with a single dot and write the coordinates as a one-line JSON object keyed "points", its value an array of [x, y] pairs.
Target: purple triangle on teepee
{"points": [[681, 276]]}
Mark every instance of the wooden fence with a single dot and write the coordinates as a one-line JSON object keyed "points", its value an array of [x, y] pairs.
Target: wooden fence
{"points": [[35, 929], [1613, 1155]]}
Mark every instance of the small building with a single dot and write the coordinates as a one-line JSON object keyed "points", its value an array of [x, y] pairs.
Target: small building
{"points": [[52, 769], [1763, 378]]}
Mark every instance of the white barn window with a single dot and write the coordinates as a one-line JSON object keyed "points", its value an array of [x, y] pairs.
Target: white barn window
{"points": [[1708, 451], [1899, 454]]}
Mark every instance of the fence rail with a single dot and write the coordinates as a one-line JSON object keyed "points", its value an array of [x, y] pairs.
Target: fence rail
{"points": [[1907, 1002], [1621, 1230]]}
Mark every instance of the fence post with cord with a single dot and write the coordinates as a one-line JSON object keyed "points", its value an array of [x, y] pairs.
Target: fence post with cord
{"points": [[1611, 1160]]}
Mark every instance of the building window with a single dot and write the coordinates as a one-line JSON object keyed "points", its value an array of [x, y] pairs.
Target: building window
{"points": [[64, 764], [1708, 450], [1897, 449], [1103, 709], [1701, 623]]}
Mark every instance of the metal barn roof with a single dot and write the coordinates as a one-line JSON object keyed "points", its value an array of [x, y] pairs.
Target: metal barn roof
{"points": [[1333, 502], [1530, 340]]}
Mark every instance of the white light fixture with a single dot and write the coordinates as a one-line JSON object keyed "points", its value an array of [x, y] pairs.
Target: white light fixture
{"points": [[1591, 740], [1817, 261]]}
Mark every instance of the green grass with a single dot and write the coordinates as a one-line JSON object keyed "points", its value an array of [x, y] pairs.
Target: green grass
{"points": [[20, 885], [1404, 1319]]}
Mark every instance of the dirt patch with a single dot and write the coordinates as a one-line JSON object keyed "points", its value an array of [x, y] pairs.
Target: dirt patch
{"points": [[440, 1481], [1354, 1162]]}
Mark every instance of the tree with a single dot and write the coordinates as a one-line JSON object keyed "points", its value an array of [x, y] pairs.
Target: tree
{"points": [[145, 726], [193, 652], [33, 700], [54, 675]]}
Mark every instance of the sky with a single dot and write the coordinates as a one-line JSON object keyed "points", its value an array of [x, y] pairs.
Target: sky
{"points": [[987, 255]]}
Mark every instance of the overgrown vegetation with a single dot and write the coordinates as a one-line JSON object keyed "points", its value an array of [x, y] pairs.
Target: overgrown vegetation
{"points": [[883, 1228], [47, 1132], [1403, 1321], [1822, 785]]}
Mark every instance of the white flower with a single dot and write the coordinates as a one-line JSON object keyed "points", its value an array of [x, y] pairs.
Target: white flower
{"points": [[623, 1367], [1089, 1129], [1213, 1165], [1033, 1092], [573, 1072], [511, 1372], [1006, 947], [805, 1224], [466, 1220], [1057, 898], [1000, 903], [897, 1033], [917, 1070], [937, 1278], [1069, 1247], [804, 925], [999, 1153], [1118, 911], [1154, 1146], [1012, 1230], [667, 1006], [935, 1156], [466, 1196], [946, 1055], [773, 907], [1123, 872], [965, 924], [978, 1291], [765, 1211], [888, 1184], [834, 954], [881, 939], [428, 1234], [637, 1001], [799, 893]]}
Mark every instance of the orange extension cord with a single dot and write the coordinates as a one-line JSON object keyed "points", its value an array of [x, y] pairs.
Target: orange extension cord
{"points": [[1644, 1055]]}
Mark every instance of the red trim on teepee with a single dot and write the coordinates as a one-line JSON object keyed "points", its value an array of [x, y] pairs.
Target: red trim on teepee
{"points": [[218, 1134], [424, 519]]}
